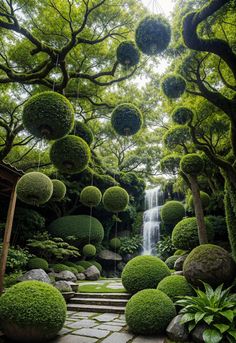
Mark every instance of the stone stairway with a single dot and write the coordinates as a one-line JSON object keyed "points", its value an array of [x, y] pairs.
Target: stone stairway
{"points": [[99, 302]]}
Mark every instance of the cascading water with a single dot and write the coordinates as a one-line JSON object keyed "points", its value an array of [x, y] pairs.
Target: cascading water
{"points": [[151, 220]]}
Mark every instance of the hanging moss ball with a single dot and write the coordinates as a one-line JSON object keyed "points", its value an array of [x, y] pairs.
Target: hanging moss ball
{"points": [[126, 119], [174, 286], [182, 115], [32, 311], [59, 190], [172, 212], [173, 86], [115, 199], [34, 188], [89, 250], [48, 115], [70, 154], [115, 243], [83, 131], [90, 196], [192, 164], [205, 199], [127, 54]]}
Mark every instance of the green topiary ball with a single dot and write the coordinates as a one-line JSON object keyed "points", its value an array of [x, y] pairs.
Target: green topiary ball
{"points": [[173, 86], [143, 272], [153, 35], [60, 267], [34, 188], [70, 154], [185, 233], [182, 115], [32, 311], [170, 261], [126, 119], [127, 54], [89, 250], [90, 196], [80, 269], [174, 286], [172, 212], [115, 199], [59, 190], [37, 263], [205, 199], [70, 264], [84, 264], [211, 264], [48, 115], [191, 164], [83, 131], [115, 243], [149, 312]]}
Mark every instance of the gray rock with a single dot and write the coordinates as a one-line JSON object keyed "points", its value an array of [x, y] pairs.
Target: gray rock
{"points": [[92, 273], [80, 276], [73, 285], [109, 256], [176, 331], [65, 275], [179, 262], [63, 286], [35, 274], [68, 295], [197, 333]]}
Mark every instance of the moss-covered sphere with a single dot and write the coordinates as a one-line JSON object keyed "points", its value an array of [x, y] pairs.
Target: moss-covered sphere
{"points": [[173, 86], [127, 54], [34, 188], [170, 261], [174, 286], [115, 243], [90, 196], [153, 35], [205, 199], [126, 119], [182, 115], [143, 272], [211, 264], [149, 312], [83, 131], [192, 164], [172, 212], [115, 199], [32, 311], [48, 115], [70, 154], [89, 250], [37, 263], [59, 190]]}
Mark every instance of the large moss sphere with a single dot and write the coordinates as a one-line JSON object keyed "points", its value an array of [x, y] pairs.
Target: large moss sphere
{"points": [[172, 212], [115, 199], [83, 131], [48, 115], [173, 86], [126, 119], [205, 199], [192, 164], [34, 188], [79, 227], [37, 263], [127, 54], [209, 263], [182, 115], [185, 233], [149, 312], [174, 286], [143, 272], [70, 154], [90, 196], [59, 190], [153, 35], [32, 311], [89, 250]]}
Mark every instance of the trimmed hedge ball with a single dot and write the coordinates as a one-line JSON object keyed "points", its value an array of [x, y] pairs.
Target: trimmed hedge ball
{"points": [[174, 286], [84, 264], [182, 115], [205, 199], [48, 115], [127, 54], [143, 272], [37, 263], [34, 188], [60, 267], [192, 164], [59, 190], [149, 312], [211, 264], [32, 311], [170, 261], [126, 119], [172, 212], [90, 196], [115, 199], [83, 131], [173, 86], [153, 35], [115, 243], [70, 154], [89, 250]]}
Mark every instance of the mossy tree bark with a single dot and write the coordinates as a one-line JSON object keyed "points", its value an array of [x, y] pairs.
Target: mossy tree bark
{"points": [[230, 212]]}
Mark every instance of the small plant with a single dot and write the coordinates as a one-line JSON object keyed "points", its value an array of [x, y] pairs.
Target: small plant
{"points": [[165, 248], [216, 308], [130, 245], [17, 258]]}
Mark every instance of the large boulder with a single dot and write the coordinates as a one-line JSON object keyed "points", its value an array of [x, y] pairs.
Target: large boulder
{"points": [[92, 273], [108, 257], [80, 276], [178, 265], [176, 331], [63, 286], [35, 274], [65, 275]]}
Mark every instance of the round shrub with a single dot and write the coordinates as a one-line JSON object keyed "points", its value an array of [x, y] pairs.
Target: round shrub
{"points": [[205, 199], [174, 286], [149, 312], [70, 154], [32, 311], [89, 250], [90, 196], [209, 263], [191, 164], [83, 131], [115, 243], [176, 135], [185, 233], [60, 267], [80, 269], [59, 190], [173, 86], [126, 119], [127, 54], [70, 264], [78, 226], [143, 272], [153, 35], [96, 264], [34, 188], [172, 212], [115, 199], [48, 115], [37, 263], [182, 115], [84, 264], [170, 261], [170, 164]]}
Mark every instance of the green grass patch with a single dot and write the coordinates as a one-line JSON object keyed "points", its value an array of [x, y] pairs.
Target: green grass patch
{"points": [[102, 288]]}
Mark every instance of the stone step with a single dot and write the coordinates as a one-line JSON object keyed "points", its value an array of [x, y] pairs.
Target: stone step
{"points": [[104, 295], [99, 301], [95, 308]]}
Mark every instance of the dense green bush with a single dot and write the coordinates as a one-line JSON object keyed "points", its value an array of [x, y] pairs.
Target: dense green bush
{"points": [[172, 212], [165, 247], [84, 264], [126, 119], [96, 264], [60, 267], [59, 190], [80, 269], [173, 86], [11, 279], [170, 261], [32, 311], [143, 272], [174, 286], [70, 264], [180, 252], [130, 245], [220, 227], [149, 312], [37, 263], [182, 115], [90, 196], [27, 222], [205, 199], [83, 131], [192, 164], [127, 54], [170, 164], [115, 243], [176, 135], [89, 250], [17, 258], [115, 199]]}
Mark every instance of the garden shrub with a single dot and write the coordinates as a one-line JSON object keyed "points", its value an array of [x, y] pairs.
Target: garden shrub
{"points": [[182, 115], [70, 264], [165, 247], [17, 258], [220, 227], [174, 286], [80, 269], [170, 261], [172, 212], [96, 264], [192, 164], [84, 264], [90, 196], [127, 54], [126, 119], [115, 243], [130, 245], [180, 252], [83, 131], [37, 263], [173, 86], [60, 267], [59, 190], [27, 222], [89, 250], [11, 279], [205, 200], [115, 199]]}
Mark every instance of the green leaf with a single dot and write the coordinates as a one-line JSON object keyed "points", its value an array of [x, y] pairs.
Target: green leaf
{"points": [[212, 336], [228, 315], [232, 333], [187, 317], [209, 319], [222, 327], [199, 316], [191, 326]]}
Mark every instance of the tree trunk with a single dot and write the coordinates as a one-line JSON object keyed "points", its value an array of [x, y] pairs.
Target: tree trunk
{"points": [[230, 212]]}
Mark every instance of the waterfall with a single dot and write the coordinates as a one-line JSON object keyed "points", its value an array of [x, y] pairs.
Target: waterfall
{"points": [[151, 220]]}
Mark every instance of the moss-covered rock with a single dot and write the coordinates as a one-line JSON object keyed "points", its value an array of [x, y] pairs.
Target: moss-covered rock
{"points": [[37, 263], [126, 119], [172, 212], [115, 199], [205, 199], [182, 115], [173, 86], [83, 131], [89, 250], [127, 54], [59, 190], [90, 196], [170, 261], [115, 243], [174, 286], [192, 164]]}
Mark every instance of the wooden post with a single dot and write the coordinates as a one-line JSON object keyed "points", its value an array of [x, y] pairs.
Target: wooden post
{"points": [[7, 235]]}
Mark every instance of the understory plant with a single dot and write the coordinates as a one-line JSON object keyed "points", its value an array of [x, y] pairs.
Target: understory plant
{"points": [[17, 258], [165, 248], [216, 309], [130, 245]]}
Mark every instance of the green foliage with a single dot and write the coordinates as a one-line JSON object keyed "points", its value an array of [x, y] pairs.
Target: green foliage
{"points": [[80, 269], [180, 252], [115, 243], [175, 286], [182, 115], [173, 86], [60, 267], [220, 228], [205, 199], [115, 199], [165, 247], [176, 135], [17, 258], [96, 264], [172, 212], [26, 219], [134, 185], [59, 190], [170, 261], [90, 196], [126, 119], [149, 312], [127, 54], [83, 131], [11, 279], [192, 164], [37, 263], [170, 164], [84, 264], [138, 222], [130, 245], [89, 250]]}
